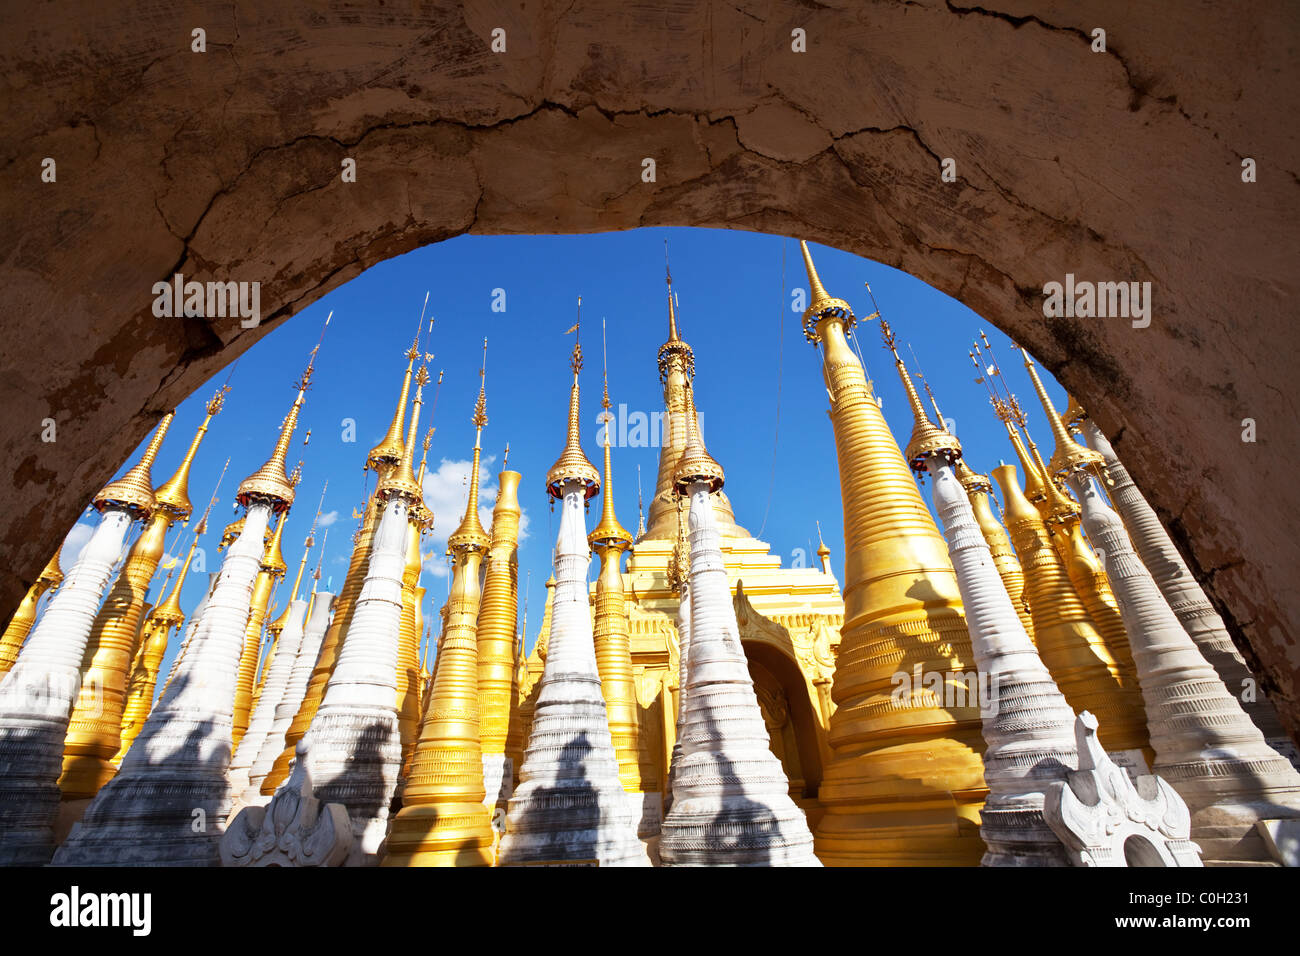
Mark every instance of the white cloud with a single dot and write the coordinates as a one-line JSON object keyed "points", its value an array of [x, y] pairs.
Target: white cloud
{"points": [[327, 519], [73, 544], [445, 491]]}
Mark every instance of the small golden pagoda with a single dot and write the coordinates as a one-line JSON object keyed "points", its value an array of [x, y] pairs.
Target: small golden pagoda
{"points": [[444, 820]]}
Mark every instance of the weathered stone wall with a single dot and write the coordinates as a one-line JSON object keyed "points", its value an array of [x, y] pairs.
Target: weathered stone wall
{"points": [[1117, 165]]}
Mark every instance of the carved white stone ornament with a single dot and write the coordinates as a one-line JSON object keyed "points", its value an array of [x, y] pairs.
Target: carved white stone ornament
{"points": [[1105, 818]]}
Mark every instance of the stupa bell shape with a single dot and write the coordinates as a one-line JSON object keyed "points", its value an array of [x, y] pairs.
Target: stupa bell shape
{"points": [[731, 797], [1186, 598], [570, 805], [169, 801], [1027, 724], [38, 693], [905, 781], [444, 820], [1205, 745], [1068, 642], [356, 751]]}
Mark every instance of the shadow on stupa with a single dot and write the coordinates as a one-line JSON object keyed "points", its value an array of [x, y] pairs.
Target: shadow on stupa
{"points": [[168, 804]]}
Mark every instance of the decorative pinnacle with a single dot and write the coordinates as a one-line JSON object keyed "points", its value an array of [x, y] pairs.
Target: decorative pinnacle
{"points": [[572, 465], [696, 464], [173, 495], [480, 407], [470, 536], [133, 492], [821, 545], [273, 557], [1069, 456], [674, 350], [822, 305], [609, 533], [390, 450], [927, 438], [269, 483]]}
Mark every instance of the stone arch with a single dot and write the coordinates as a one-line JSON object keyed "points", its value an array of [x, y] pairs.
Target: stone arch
{"points": [[1119, 165]]}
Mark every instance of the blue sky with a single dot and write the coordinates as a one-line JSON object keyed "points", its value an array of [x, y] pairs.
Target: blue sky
{"points": [[735, 291]]}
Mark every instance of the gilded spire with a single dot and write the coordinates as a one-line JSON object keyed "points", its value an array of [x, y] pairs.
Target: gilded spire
{"points": [[572, 465], [1068, 456], [169, 611], [674, 347], [927, 438], [269, 483], [608, 533], [470, 536], [696, 464], [421, 513], [174, 494], [134, 490], [391, 449], [821, 303], [401, 481]]}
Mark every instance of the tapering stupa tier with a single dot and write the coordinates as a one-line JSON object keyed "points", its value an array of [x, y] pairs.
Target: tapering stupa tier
{"points": [[20, 624], [696, 465], [133, 492], [570, 805], [37, 695], [1085, 670], [977, 489], [95, 725], [731, 797], [1186, 598], [392, 447], [444, 821], [901, 762], [318, 615], [1028, 725], [499, 730], [271, 483], [1206, 747], [169, 801]]}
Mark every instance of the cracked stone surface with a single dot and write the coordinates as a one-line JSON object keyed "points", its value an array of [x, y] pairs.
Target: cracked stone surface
{"points": [[1123, 165]]}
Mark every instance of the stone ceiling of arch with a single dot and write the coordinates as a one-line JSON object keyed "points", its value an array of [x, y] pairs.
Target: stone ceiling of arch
{"points": [[1118, 165]]}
